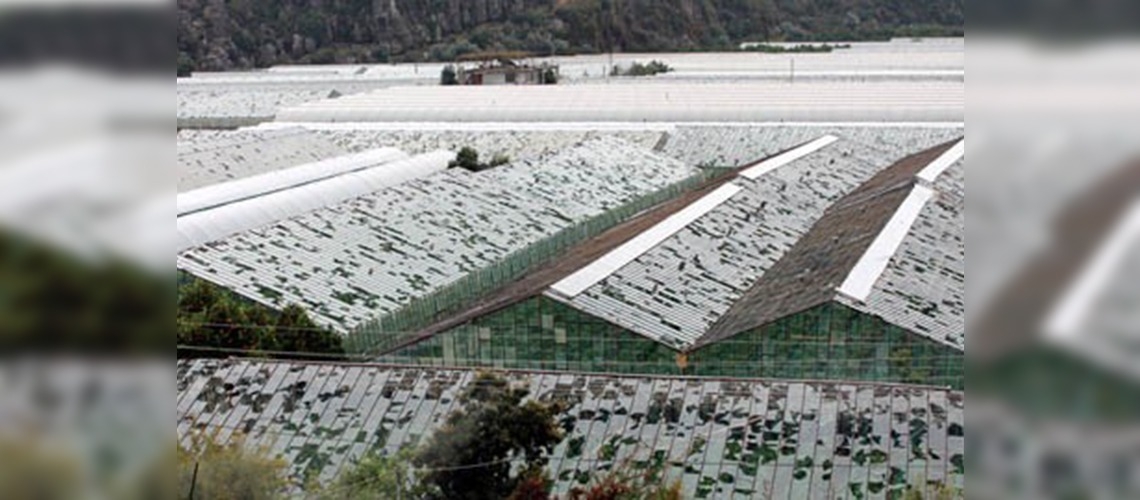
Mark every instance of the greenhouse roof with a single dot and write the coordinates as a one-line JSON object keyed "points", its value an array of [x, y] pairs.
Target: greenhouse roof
{"points": [[739, 438], [679, 289], [221, 157], [353, 262], [367, 173], [922, 287], [879, 250], [661, 101]]}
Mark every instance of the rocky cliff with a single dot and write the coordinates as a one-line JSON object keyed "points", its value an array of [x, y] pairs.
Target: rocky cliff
{"points": [[228, 34]]}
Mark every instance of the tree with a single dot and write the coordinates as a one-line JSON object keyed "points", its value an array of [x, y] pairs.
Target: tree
{"points": [[470, 457], [467, 158], [377, 477], [448, 75]]}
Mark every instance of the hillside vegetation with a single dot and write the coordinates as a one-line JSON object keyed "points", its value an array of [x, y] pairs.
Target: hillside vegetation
{"points": [[233, 34]]}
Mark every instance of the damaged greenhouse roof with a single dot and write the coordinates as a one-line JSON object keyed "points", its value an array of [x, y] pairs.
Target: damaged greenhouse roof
{"points": [[741, 438], [680, 291], [353, 262], [218, 158]]}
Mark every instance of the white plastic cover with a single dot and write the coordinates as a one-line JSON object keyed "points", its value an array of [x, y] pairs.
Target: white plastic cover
{"points": [[659, 101], [202, 227], [250, 187]]}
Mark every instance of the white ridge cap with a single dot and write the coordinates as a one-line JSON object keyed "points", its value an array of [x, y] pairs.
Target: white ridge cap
{"points": [[785, 158], [1066, 319], [861, 280], [930, 174], [617, 258]]}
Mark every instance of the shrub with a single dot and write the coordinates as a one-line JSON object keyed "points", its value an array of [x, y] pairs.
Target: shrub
{"points": [[210, 320], [654, 67], [468, 159], [376, 477], [448, 75], [28, 470], [229, 471]]}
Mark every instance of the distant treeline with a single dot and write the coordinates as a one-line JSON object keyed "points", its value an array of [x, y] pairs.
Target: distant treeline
{"points": [[220, 35]]}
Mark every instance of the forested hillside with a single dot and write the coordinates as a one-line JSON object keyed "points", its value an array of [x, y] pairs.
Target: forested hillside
{"points": [[229, 34]]}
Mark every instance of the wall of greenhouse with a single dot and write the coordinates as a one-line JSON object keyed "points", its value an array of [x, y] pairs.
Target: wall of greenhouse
{"points": [[542, 334], [829, 342], [833, 342]]}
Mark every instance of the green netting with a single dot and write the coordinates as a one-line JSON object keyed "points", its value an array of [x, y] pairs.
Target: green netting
{"points": [[830, 342], [392, 329]]}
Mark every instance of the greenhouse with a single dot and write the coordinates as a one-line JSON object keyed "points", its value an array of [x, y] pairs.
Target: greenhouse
{"points": [[864, 281], [740, 439], [667, 101], [374, 254], [829, 342]]}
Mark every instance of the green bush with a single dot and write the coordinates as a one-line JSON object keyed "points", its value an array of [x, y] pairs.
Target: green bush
{"points": [[212, 321], [654, 67], [376, 477], [468, 159], [229, 471], [448, 75]]}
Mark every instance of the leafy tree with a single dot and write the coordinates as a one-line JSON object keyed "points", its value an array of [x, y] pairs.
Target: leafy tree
{"points": [[377, 477], [468, 159], [469, 458], [448, 75]]}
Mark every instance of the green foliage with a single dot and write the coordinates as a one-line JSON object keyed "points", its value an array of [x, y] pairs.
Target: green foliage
{"points": [[469, 458], [934, 491], [229, 471], [533, 485], [499, 160], [799, 48], [185, 64], [447, 76], [549, 76], [654, 67], [31, 471], [52, 300], [209, 318], [626, 481], [376, 477], [468, 159], [233, 34]]}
